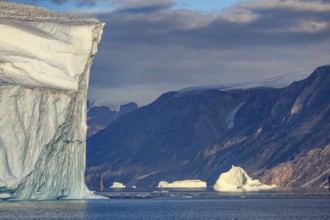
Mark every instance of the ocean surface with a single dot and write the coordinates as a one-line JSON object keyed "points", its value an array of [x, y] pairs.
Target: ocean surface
{"points": [[178, 205]]}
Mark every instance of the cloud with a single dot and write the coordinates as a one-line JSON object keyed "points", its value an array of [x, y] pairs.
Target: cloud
{"points": [[228, 29], [79, 3], [239, 16], [59, 2], [142, 3], [91, 2], [298, 5], [153, 48], [119, 4]]}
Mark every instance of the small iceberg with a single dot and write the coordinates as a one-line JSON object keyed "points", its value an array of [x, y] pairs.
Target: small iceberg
{"points": [[183, 184], [117, 185], [237, 180]]}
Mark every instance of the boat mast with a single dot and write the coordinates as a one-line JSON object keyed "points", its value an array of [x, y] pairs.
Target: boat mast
{"points": [[101, 184]]}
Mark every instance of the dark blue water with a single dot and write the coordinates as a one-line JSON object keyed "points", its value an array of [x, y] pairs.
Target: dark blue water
{"points": [[177, 205]]}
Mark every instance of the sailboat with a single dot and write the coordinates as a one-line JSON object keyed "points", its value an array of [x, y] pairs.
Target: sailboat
{"points": [[101, 184]]}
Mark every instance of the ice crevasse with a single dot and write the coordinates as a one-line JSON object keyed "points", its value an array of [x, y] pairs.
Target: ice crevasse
{"points": [[45, 60]]}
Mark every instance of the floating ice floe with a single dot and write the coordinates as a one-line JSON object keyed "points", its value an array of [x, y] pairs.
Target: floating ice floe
{"points": [[237, 180], [117, 185], [183, 184]]}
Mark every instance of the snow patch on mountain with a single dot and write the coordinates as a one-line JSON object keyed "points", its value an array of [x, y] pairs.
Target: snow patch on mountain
{"points": [[231, 115]]}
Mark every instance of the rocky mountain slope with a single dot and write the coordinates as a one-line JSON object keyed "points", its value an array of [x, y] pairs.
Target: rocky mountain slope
{"points": [[281, 136], [99, 117]]}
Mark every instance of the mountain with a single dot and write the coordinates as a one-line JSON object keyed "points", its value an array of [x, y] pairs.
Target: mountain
{"points": [[279, 135], [45, 63], [99, 117], [126, 108]]}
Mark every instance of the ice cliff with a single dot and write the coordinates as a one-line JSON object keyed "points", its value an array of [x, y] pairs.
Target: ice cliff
{"points": [[45, 59], [183, 184], [237, 180]]}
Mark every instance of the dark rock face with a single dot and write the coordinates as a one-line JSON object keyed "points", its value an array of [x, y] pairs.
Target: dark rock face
{"points": [[127, 108], [199, 135], [98, 118]]}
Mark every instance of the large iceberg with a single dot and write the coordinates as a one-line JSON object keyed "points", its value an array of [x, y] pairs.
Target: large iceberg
{"points": [[237, 180], [45, 59], [182, 184]]}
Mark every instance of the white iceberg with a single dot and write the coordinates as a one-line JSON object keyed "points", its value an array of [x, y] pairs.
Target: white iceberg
{"points": [[45, 60], [117, 185], [237, 180], [183, 184]]}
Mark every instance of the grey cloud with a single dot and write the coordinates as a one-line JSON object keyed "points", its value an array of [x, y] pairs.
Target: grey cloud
{"points": [[142, 48], [79, 2], [273, 27], [141, 3], [301, 5], [123, 5], [91, 2], [143, 9], [59, 2]]}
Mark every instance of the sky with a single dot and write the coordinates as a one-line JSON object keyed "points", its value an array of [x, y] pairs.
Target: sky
{"points": [[154, 46]]}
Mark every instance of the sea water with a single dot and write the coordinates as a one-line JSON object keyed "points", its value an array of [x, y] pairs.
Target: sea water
{"points": [[177, 205]]}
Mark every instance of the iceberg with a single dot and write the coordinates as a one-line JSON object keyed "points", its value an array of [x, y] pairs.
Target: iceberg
{"points": [[116, 185], [183, 184], [45, 60], [237, 180]]}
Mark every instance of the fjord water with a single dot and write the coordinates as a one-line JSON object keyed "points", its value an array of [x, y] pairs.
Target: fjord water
{"points": [[177, 205]]}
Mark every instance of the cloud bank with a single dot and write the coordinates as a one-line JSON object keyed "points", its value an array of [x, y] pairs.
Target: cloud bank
{"points": [[78, 3], [149, 47]]}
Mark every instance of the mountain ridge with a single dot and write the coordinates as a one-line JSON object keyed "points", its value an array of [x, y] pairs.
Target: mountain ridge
{"points": [[99, 117], [198, 136]]}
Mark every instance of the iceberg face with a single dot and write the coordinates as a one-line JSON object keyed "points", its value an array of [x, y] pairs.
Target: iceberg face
{"points": [[45, 59], [237, 180], [116, 185], [183, 184]]}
